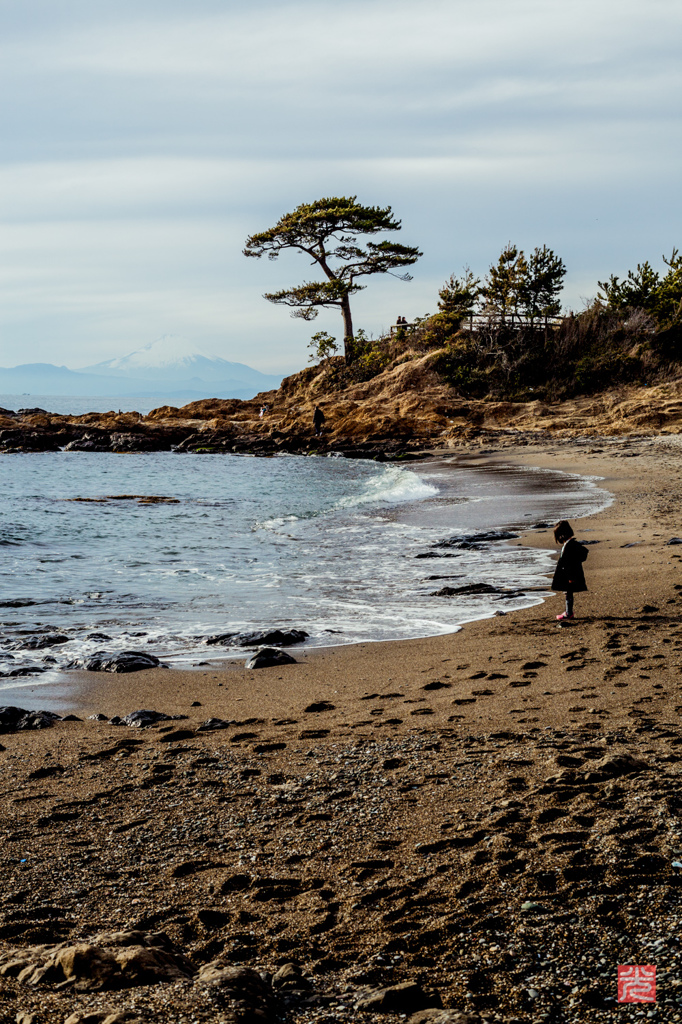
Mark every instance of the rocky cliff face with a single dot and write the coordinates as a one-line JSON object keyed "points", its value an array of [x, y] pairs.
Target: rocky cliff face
{"points": [[405, 408]]}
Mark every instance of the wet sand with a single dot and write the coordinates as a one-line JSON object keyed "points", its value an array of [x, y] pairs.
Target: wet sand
{"points": [[494, 814]]}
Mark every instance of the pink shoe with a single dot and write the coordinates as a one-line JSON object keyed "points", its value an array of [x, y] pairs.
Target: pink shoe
{"points": [[563, 616]]}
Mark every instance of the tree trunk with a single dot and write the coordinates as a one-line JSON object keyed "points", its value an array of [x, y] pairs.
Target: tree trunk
{"points": [[348, 339]]}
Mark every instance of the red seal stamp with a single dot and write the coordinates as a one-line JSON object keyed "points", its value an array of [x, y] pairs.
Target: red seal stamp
{"points": [[637, 983]]}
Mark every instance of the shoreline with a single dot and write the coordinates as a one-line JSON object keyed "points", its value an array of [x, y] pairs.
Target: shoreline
{"points": [[490, 819], [472, 497], [175, 684]]}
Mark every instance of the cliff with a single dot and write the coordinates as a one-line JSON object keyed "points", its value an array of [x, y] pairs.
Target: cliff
{"points": [[407, 407]]}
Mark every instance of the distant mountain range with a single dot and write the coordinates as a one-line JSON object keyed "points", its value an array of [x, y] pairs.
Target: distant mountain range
{"points": [[169, 367]]}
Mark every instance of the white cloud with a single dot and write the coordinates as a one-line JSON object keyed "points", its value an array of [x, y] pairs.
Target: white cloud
{"points": [[143, 143]]}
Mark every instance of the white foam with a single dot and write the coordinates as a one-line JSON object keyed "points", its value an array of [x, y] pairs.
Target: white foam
{"points": [[395, 484]]}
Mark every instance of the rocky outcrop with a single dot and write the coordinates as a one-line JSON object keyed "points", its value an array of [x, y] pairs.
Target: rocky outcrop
{"points": [[109, 960], [406, 408]]}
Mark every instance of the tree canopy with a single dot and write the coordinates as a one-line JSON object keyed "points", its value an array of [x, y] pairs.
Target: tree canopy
{"points": [[660, 295], [524, 287], [327, 231]]}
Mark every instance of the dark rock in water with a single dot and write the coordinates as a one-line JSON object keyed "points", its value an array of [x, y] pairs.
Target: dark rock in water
{"points": [[24, 670], [120, 661], [433, 554], [476, 541], [98, 636], [30, 441], [142, 719], [473, 589], [272, 637], [269, 656], [89, 443], [407, 997], [131, 443], [13, 719], [38, 643], [214, 723]]}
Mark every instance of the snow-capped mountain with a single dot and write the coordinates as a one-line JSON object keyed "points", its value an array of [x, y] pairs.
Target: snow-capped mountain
{"points": [[170, 367], [174, 360]]}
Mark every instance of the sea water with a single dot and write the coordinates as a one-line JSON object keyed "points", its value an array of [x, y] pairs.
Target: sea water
{"points": [[79, 405], [348, 550]]}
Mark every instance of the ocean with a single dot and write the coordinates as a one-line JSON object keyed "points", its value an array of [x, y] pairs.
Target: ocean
{"points": [[348, 550], [77, 405]]}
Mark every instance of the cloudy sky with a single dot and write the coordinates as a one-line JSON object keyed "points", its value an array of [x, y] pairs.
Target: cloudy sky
{"points": [[143, 141]]}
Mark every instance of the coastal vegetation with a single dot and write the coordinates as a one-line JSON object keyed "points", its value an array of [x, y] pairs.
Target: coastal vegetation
{"points": [[505, 338]]}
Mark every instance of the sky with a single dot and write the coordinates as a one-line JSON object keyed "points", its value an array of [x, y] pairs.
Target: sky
{"points": [[142, 142]]}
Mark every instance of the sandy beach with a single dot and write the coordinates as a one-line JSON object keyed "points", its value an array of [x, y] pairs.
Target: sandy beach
{"points": [[478, 826]]}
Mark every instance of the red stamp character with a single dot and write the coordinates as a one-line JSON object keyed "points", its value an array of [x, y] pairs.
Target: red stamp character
{"points": [[637, 983]]}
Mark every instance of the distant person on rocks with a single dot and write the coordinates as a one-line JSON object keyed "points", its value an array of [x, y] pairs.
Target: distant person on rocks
{"points": [[318, 420], [263, 410], [569, 575]]}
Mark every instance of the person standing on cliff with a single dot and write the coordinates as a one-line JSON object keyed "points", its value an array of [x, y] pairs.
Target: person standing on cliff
{"points": [[569, 575], [318, 420]]}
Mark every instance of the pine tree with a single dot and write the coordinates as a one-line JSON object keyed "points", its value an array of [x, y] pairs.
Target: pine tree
{"points": [[505, 286], [544, 284], [327, 231]]}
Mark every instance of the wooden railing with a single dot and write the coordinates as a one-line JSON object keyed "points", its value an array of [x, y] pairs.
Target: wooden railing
{"points": [[476, 321]]}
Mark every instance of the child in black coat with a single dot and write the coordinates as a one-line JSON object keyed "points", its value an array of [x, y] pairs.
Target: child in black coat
{"points": [[569, 575]]}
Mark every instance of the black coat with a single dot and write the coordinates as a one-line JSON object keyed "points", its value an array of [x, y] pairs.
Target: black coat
{"points": [[569, 574]]}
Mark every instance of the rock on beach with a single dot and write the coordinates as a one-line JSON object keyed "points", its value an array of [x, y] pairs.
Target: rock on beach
{"points": [[117, 661], [267, 657]]}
